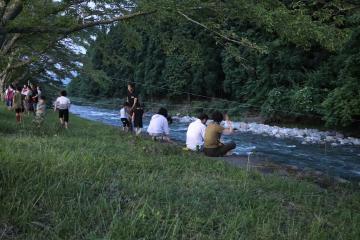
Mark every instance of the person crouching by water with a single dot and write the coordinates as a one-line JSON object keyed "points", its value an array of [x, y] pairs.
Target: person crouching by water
{"points": [[62, 104], [196, 133], [212, 145], [159, 126], [125, 117]]}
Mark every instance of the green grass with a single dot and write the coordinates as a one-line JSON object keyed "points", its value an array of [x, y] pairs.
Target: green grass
{"points": [[92, 182]]}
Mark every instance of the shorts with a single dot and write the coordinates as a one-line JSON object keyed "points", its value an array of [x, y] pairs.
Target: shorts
{"points": [[125, 122], [18, 110], [64, 114], [138, 118]]}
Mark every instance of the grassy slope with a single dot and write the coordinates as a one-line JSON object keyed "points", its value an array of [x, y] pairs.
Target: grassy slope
{"points": [[92, 182]]}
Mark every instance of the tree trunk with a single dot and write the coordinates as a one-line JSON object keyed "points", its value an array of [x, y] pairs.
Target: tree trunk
{"points": [[2, 85]]}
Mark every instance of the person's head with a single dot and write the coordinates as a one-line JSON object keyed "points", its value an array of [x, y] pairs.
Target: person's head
{"points": [[126, 104], [42, 98], [18, 89], [217, 117], [63, 93], [163, 111], [131, 87], [38, 88], [203, 118]]}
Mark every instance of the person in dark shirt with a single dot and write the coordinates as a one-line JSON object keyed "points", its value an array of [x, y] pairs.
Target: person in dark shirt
{"points": [[136, 112], [132, 97]]}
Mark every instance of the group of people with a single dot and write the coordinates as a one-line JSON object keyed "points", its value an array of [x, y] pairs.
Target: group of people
{"points": [[30, 99], [200, 136], [27, 99]]}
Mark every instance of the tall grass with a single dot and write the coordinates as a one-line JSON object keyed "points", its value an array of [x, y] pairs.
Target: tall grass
{"points": [[93, 182]]}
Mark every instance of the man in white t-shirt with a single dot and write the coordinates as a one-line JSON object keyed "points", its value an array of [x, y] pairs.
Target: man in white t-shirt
{"points": [[159, 126], [62, 104], [196, 133]]}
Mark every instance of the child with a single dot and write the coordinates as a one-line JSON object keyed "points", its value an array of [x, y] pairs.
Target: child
{"points": [[159, 126], [137, 118], [124, 117], [40, 111], [17, 105], [62, 104]]}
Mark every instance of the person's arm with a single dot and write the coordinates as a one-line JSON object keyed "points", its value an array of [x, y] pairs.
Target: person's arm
{"points": [[166, 127], [55, 105], [229, 130], [135, 101]]}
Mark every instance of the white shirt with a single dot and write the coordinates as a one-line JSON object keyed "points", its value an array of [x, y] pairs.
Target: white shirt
{"points": [[124, 113], [62, 103], [158, 125], [195, 135]]}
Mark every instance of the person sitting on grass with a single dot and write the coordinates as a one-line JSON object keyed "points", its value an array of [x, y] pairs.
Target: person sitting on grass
{"points": [[40, 111], [196, 133], [124, 116], [159, 127], [62, 104], [212, 145], [17, 105]]}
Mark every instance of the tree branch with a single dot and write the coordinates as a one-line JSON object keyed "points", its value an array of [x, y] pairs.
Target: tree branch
{"points": [[226, 38], [9, 44], [54, 29], [12, 10], [2, 8]]}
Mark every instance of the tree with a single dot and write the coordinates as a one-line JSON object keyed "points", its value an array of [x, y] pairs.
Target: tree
{"points": [[29, 29]]}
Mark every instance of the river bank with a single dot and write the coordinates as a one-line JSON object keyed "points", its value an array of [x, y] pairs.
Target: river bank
{"points": [[94, 182], [333, 161], [240, 114]]}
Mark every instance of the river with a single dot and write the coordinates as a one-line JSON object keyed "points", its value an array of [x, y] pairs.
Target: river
{"points": [[332, 159]]}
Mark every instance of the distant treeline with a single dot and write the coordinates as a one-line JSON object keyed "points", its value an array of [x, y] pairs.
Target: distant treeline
{"points": [[181, 62]]}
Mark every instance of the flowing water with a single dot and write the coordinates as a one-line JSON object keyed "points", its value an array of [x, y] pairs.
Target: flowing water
{"points": [[331, 159]]}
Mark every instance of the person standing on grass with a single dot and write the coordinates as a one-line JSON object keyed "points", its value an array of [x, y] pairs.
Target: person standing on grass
{"points": [[9, 95], [24, 94], [137, 119], [159, 127], [125, 117], [196, 133], [28, 100], [17, 104], [133, 100], [212, 145], [40, 111], [35, 97], [62, 104]]}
